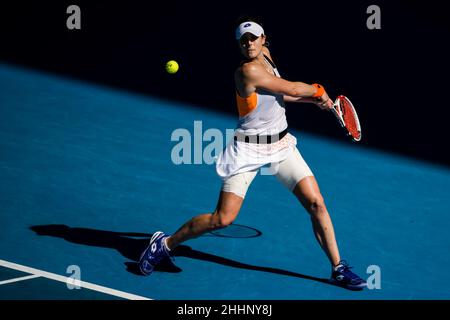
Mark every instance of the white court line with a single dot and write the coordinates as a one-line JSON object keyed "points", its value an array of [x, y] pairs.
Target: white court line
{"points": [[19, 279], [83, 284]]}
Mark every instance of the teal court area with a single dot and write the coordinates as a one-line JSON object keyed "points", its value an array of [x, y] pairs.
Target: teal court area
{"points": [[87, 177]]}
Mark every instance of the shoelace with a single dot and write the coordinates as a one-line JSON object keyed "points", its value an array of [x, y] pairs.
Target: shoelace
{"points": [[345, 269]]}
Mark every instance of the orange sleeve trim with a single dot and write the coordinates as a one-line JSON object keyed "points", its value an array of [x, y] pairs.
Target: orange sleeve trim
{"points": [[320, 90], [246, 105]]}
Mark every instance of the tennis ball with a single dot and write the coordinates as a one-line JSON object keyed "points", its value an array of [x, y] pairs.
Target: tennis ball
{"points": [[172, 66]]}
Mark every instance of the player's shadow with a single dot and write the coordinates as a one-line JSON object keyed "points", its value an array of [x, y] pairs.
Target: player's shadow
{"points": [[131, 245]]}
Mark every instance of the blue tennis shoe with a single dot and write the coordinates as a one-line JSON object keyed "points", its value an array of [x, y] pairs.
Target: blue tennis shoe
{"points": [[343, 277], [154, 253]]}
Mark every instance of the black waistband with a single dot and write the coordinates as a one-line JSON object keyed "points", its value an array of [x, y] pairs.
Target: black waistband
{"points": [[260, 139]]}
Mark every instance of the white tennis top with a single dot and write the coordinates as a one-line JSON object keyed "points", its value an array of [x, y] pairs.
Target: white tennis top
{"points": [[267, 118], [262, 113]]}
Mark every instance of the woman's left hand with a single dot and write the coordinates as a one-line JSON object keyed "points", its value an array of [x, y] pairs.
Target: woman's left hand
{"points": [[324, 102]]}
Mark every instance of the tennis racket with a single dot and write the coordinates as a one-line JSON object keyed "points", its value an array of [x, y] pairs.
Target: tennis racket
{"points": [[346, 114]]}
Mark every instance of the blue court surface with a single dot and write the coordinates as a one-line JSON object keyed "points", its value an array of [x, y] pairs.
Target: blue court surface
{"points": [[87, 177]]}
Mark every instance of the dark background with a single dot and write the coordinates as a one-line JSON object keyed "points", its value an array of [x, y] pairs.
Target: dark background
{"points": [[397, 77]]}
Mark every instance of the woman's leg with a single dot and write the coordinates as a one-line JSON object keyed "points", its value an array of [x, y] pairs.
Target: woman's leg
{"points": [[230, 201], [308, 193], [160, 244], [294, 173], [227, 210]]}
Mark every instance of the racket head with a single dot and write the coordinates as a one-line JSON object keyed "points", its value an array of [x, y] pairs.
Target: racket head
{"points": [[348, 117]]}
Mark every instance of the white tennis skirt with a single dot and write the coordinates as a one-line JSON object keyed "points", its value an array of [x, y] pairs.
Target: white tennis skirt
{"points": [[239, 163]]}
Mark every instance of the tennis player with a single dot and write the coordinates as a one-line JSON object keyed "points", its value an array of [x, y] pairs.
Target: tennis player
{"points": [[261, 139]]}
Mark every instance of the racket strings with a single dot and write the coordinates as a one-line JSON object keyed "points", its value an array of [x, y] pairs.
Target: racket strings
{"points": [[350, 120]]}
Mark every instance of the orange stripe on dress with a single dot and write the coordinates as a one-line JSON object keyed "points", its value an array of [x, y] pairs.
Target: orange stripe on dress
{"points": [[246, 105]]}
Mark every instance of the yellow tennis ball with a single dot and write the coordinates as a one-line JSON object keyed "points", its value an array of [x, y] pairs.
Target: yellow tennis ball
{"points": [[172, 66]]}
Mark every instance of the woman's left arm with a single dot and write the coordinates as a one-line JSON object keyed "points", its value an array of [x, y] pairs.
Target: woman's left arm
{"points": [[299, 99]]}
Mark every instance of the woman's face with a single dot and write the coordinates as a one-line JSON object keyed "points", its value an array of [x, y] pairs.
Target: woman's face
{"points": [[251, 45]]}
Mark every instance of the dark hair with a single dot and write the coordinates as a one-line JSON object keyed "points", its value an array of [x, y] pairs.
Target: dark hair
{"points": [[245, 18]]}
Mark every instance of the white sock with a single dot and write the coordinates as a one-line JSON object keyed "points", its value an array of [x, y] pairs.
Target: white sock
{"points": [[335, 268], [165, 244]]}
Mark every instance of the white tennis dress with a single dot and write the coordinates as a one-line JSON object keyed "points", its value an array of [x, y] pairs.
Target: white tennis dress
{"points": [[263, 113]]}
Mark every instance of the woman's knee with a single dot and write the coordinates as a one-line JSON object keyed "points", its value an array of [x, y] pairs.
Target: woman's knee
{"points": [[227, 210], [223, 218], [316, 205]]}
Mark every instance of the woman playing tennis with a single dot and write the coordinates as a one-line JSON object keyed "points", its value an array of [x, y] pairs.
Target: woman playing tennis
{"points": [[261, 139]]}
